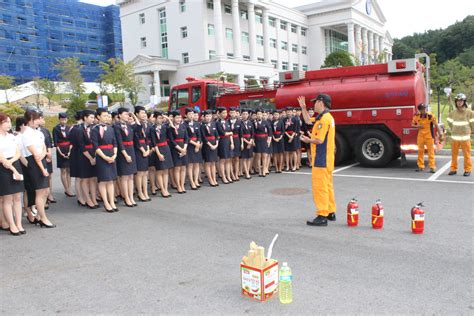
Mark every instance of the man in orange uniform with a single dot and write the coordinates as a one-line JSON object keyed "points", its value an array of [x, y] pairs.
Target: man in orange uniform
{"points": [[322, 152], [426, 123]]}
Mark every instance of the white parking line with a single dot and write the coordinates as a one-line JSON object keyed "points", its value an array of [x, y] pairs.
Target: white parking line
{"points": [[346, 167], [388, 178], [440, 171]]}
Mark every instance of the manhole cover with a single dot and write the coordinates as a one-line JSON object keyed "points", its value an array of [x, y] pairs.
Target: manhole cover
{"points": [[289, 191]]}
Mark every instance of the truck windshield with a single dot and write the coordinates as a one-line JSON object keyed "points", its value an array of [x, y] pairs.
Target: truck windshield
{"points": [[211, 93]]}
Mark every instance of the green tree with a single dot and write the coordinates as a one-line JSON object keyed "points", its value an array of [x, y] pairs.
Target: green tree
{"points": [[134, 87], [48, 88], [218, 75], [78, 103], [12, 110], [70, 72], [92, 96], [37, 87], [6, 83], [338, 59], [118, 74]]}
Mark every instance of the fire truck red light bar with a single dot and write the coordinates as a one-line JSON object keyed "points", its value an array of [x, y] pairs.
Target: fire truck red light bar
{"points": [[401, 65], [288, 76]]}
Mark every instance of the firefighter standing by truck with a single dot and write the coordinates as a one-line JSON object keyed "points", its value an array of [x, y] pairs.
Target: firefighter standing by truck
{"points": [[461, 124], [426, 123], [322, 152]]}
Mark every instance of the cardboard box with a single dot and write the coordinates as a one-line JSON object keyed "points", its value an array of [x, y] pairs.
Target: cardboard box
{"points": [[260, 284]]}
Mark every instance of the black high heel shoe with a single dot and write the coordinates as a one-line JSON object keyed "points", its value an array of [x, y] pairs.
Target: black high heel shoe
{"points": [[116, 209], [92, 207], [33, 222], [52, 201], [69, 195], [45, 225], [129, 205], [22, 232], [81, 204], [14, 234], [109, 211]]}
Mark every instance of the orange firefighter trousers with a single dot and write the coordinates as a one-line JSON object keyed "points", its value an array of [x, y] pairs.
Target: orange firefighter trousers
{"points": [[323, 191], [429, 142], [466, 151]]}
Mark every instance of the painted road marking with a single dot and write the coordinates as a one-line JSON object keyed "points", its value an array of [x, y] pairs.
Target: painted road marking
{"points": [[387, 178], [346, 167], [440, 171]]}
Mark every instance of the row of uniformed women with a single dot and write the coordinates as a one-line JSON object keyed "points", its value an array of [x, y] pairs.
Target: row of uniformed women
{"points": [[28, 147]]}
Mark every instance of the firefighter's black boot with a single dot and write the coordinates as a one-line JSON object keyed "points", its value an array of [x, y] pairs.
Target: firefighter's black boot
{"points": [[318, 221]]}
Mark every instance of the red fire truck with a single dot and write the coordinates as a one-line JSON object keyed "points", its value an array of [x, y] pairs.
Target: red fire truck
{"points": [[372, 105]]}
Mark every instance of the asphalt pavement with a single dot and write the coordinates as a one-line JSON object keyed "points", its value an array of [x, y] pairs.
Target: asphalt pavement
{"points": [[182, 255]]}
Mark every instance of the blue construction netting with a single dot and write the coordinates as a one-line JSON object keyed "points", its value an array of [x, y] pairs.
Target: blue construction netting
{"points": [[34, 34]]}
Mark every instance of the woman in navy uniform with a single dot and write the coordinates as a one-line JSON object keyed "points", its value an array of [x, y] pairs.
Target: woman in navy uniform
{"points": [[142, 152], [236, 129], [126, 161], [63, 152], [48, 141], [11, 178], [226, 145], [152, 155], [248, 142], [278, 142], [35, 153], [86, 160], [163, 159], [179, 139], [291, 130], [306, 130], [299, 122], [105, 146], [194, 148], [262, 142], [268, 119], [210, 143], [73, 136]]}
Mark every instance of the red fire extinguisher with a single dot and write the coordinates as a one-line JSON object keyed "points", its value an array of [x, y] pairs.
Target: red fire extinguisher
{"points": [[418, 219], [353, 213], [377, 215]]}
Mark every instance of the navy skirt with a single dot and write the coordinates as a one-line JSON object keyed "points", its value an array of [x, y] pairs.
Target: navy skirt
{"points": [[223, 150], [106, 171], [193, 156], [8, 184], [290, 146], [209, 155], [62, 162], [261, 146], [165, 164], [237, 152], [177, 159], [278, 147], [86, 170], [142, 162], [123, 167]]}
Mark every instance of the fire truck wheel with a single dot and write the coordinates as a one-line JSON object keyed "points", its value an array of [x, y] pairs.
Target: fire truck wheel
{"points": [[342, 149], [374, 148]]}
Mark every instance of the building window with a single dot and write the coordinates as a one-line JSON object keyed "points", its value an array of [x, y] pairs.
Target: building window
{"points": [[210, 4], [185, 58], [284, 65], [271, 22], [246, 57], [303, 50], [260, 40], [163, 33], [245, 37], [230, 55], [260, 60], [212, 54], [274, 63], [141, 18], [228, 33], [143, 42], [303, 31], [284, 45], [210, 29], [182, 6], [304, 67], [244, 15], [283, 25], [258, 18], [184, 32], [294, 48], [293, 28], [273, 42], [295, 66], [227, 9], [337, 41]]}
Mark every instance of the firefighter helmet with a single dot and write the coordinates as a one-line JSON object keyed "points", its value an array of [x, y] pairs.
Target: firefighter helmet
{"points": [[461, 96]]}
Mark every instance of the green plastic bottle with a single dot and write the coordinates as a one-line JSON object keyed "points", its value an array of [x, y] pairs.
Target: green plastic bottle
{"points": [[285, 288]]}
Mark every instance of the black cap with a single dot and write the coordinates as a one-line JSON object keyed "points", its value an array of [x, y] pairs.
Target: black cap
{"points": [[323, 97], [62, 115]]}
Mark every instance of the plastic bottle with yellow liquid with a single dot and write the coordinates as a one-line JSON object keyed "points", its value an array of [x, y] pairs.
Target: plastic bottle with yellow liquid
{"points": [[285, 288]]}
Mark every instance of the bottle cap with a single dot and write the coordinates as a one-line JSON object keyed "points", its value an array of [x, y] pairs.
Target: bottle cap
{"points": [[285, 264]]}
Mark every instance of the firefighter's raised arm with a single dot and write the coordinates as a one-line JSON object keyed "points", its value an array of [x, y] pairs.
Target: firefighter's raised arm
{"points": [[304, 112]]}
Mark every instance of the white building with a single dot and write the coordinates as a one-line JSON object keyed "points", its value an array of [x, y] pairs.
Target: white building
{"points": [[168, 41]]}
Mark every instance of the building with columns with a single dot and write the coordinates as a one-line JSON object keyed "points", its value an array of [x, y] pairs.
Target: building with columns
{"points": [[170, 40]]}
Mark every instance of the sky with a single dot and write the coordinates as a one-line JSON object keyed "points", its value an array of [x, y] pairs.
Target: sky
{"points": [[404, 17]]}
